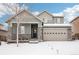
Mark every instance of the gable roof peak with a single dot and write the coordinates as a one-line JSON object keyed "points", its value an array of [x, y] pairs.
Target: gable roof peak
{"points": [[22, 12], [45, 11]]}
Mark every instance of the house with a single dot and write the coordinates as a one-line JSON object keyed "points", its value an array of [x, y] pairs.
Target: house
{"points": [[43, 27], [1, 26], [75, 28], [3, 33]]}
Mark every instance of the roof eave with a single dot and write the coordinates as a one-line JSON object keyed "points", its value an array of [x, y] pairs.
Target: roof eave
{"points": [[19, 13], [74, 19]]}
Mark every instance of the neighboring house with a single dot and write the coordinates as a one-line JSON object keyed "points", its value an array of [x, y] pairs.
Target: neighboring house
{"points": [[1, 26], [3, 33], [75, 28], [43, 27]]}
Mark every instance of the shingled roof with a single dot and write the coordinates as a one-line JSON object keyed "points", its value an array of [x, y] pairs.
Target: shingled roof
{"points": [[74, 19]]}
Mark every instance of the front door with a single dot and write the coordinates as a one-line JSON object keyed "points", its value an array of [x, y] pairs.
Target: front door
{"points": [[34, 30]]}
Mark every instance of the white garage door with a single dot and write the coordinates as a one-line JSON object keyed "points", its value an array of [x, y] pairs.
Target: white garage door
{"points": [[55, 34]]}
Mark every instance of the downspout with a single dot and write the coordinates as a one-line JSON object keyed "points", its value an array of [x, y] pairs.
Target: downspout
{"points": [[42, 31]]}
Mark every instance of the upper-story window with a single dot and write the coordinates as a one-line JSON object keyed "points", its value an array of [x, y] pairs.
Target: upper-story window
{"points": [[62, 20], [58, 20], [45, 20], [55, 20], [50, 21]]}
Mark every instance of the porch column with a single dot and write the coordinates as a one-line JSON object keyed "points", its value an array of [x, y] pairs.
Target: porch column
{"points": [[17, 33]]}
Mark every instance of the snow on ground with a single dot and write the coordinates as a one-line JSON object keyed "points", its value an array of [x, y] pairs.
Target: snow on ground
{"points": [[41, 48]]}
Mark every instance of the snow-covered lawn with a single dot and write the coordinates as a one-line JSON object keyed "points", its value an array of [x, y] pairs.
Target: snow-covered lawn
{"points": [[42, 48]]}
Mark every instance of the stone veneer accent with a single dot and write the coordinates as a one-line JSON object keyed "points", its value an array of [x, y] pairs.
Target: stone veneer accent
{"points": [[40, 34], [69, 37]]}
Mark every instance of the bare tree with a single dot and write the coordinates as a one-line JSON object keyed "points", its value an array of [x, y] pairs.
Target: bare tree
{"points": [[15, 8]]}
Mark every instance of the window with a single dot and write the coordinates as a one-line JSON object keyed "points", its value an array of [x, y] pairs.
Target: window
{"points": [[64, 33], [22, 30], [55, 33], [50, 21], [61, 20], [61, 33], [14, 28], [58, 33], [44, 32], [58, 20], [55, 20], [14, 31]]}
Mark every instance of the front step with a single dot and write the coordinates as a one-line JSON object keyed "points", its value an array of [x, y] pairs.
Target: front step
{"points": [[33, 41]]}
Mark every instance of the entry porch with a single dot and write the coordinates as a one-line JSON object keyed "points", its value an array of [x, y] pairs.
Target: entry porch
{"points": [[26, 32]]}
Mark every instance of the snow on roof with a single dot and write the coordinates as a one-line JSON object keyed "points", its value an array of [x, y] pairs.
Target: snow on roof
{"points": [[57, 25]]}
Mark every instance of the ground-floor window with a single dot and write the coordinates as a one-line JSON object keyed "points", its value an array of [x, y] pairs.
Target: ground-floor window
{"points": [[22, 30], [54, 32]]}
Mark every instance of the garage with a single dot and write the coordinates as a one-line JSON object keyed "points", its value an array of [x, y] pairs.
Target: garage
{"points": [[54, 33]]}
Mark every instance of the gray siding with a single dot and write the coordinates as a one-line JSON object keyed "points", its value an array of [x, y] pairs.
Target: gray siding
{"points": [[27, 28], [47, 18]]}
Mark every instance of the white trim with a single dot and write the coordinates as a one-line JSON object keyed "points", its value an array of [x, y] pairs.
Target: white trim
{"points": [[57, 25], [27, 22], [21, 12]]}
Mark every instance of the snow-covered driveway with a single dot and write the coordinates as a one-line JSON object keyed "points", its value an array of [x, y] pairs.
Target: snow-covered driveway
{"points": [[42, 48]]}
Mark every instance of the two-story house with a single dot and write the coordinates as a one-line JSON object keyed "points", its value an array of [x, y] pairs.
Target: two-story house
{"points": [[75, 28], [43, 27]]}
